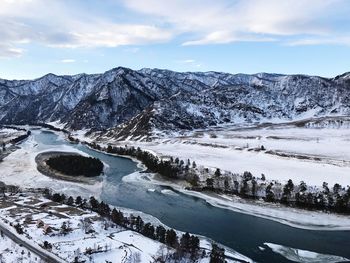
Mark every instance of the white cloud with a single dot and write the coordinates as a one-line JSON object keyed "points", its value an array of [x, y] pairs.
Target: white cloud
{"points": [[114, 35], [67, 60], [7, 51], [189, 62], [226, 21], [321, 41], [62, 25], [69, 24], [185, 61]]}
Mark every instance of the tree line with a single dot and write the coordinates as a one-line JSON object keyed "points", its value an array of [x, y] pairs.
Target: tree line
{"points": [[334, 199], [20, 138], [186, 245]]}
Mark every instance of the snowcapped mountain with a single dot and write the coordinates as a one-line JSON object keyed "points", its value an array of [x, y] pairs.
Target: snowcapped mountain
{"points": [[138, 103]]}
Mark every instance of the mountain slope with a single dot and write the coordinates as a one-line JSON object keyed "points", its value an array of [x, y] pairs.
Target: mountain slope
{"points": [[137, 103]]}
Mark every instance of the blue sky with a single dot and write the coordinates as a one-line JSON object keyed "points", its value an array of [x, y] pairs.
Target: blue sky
{"points": [[236, 36]]}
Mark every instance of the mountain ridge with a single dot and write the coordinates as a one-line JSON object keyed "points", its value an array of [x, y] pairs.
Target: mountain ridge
{"points": [[139, 103]]}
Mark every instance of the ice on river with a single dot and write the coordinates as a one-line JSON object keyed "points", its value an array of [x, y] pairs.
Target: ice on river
{"points": [[304, 256]]}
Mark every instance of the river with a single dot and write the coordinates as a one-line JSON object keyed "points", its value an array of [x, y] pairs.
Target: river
{"points": [[241, 232]]}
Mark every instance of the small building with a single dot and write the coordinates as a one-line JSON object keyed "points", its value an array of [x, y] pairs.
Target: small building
{"points": [[28, 219], [47, 229], [40, 223]]}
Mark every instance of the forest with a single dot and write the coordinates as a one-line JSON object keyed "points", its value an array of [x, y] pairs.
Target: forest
{"points": [[76, 165]]}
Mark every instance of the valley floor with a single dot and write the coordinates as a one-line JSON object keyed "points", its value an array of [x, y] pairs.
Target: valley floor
{"points": [[309, 154], [301, 154]]}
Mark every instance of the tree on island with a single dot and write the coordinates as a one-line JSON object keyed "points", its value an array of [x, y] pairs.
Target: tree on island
{"points": [[76, 165]]}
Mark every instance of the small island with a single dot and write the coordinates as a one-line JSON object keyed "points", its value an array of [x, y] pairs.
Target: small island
{"points": [[69, 166], [76, 165]]}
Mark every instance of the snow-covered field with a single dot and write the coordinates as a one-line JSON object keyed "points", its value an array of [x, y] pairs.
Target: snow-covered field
{"points": [[7, 134], [19, 168], [325, 153], [11, 252], [230, 149], [42, 220], [116, 244]]}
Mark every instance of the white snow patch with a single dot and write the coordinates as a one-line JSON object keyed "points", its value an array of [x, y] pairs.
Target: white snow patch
{"points": [[304, 256]]}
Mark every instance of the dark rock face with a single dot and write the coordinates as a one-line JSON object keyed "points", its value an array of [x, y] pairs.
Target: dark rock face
{"points": [[138, 103]]}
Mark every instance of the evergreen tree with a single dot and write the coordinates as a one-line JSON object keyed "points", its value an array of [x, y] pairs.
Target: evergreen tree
{"points": [[217, 172], [194, 246], [94, 203], [247, 176], [171, 238], [336, 188], [70, 201], [139, 224], [244, 188], [325, 188], [269, 195], [78, 200], [185, 242], [56, 198], [210, 183], [302, 186], [117, 217], [160, 234], [217, 254], [148, 230], [287, 191], [226, 184], [254, 183]]}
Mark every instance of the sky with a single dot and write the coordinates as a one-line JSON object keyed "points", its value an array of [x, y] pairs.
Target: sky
{"points": [[236, 36]]}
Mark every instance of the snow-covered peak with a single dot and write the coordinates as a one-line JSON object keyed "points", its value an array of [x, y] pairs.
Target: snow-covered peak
{"points": [[170, 100]]}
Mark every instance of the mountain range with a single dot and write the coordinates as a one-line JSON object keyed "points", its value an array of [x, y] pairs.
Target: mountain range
{"points": [[124, 103]]}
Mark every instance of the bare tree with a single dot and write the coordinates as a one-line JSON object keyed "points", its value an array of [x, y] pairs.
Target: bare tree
{"points": [[134, 258], [163, 255]]}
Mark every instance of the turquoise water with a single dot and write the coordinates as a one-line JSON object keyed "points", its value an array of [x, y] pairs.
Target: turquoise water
{"points": [[243, 233]]}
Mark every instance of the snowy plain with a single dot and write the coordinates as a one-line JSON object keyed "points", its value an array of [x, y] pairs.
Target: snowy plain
{"points": [[19, 168], [325, 153], [327, 159]]}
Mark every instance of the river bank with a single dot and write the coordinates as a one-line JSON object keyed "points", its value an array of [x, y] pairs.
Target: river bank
{"points": [[294, 217], [9, 137]]}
